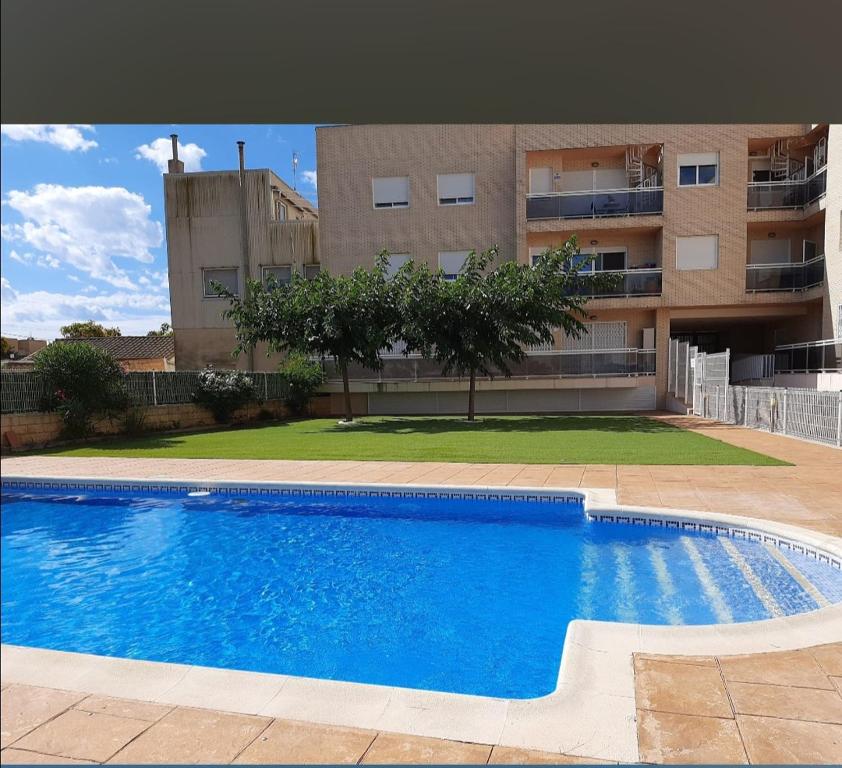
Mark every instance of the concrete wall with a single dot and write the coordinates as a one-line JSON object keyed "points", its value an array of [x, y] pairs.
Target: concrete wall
{"points": [[205, 228]]}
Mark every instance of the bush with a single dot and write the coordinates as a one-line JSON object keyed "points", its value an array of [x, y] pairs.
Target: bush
{"points": [[222, 392], [134, 420], [303, 377], [81, 381]]}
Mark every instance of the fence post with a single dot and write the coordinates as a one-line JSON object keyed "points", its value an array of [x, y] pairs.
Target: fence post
{"points": [[839, 421], [716, 395], [745, 406], [154, 390], [265, 387], [783, 415]]}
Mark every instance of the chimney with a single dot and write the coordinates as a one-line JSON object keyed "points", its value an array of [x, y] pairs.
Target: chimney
{"points": [[175, 165], [241, 149]]}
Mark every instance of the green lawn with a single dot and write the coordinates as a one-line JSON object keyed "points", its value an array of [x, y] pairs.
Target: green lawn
{"points": [[497, 439]]}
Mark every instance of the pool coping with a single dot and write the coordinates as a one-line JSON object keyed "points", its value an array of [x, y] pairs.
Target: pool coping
{"points": [[591, 713]]}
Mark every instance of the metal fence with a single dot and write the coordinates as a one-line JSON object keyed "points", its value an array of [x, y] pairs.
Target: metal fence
{"points": [[591, 363], [25, 392]]}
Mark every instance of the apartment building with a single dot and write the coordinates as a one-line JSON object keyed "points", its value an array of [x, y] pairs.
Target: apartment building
{"points": [[227, 227], [724, 235], [727, 236]]}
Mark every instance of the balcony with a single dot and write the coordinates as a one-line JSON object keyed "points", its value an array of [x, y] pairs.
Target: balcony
{"points": [[595, 204], [631, 282], [809, 357], [798, 276], [537, 365], [792, 193]]}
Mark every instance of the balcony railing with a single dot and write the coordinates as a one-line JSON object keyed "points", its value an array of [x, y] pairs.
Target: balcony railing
{"points": [[793, 193], [631, 282], [595, 204], [797, 276], [809, 357], [536, 365]]}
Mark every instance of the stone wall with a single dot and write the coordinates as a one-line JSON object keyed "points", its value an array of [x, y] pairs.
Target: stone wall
{"points": [[21, 431]]}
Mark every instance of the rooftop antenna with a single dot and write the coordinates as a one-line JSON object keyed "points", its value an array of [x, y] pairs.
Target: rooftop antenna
{"points": [[295, 160]]}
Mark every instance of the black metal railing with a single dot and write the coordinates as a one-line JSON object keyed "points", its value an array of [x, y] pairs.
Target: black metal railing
{"points": [[809, 357], [797, 276], [595, 204], [595, 363], [794, 193]]}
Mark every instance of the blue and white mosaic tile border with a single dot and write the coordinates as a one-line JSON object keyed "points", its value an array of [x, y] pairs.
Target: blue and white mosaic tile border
{"points": [[293, 489], [718, 529], [653, 519]]}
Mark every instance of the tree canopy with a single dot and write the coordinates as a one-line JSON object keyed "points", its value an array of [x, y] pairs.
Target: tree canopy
{"points": [[349, 318], [88, 329], [484, 320]]}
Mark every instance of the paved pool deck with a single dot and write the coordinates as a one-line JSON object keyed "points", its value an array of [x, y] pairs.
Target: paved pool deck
{"points": [[780, 707]]}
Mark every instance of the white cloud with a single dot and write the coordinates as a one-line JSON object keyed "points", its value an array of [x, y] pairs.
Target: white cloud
{"points": [[67, 137], [25, 258], [160, 152], [310, 178], [42, 313], [86, 227]]}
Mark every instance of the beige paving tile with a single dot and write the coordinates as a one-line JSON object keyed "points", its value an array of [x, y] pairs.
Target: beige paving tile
{"points": [[193, 736], [786, 702], [24, 707], [789, 668], [12, 756], [702, 661], [286, 741], [83, 735], [837, 681], [770, 740], [515, 756], [138, 710], [395, 748], [688, 689], [670, 738], [829, 658]]}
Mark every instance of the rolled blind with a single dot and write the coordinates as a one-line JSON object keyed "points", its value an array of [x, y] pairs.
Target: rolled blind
{"points": [[697, 252], [456, 185], [452, 262], [390, 191]]}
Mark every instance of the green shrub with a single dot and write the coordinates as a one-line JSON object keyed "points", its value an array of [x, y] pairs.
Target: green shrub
{"points": [[81, 382], [223, 392], [303, 377], [134, 420]]}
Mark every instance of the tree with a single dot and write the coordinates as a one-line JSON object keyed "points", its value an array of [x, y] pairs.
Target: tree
{"points": [[165, 330], [88, 329], [347, 317], [5, 347], [80, 381], [483, 320]]}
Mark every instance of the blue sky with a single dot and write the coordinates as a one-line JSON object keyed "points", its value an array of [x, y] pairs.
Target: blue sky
{"points": [[83, 220]]}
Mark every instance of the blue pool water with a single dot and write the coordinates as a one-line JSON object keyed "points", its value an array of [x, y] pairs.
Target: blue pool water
{"points": [[466, 596]]}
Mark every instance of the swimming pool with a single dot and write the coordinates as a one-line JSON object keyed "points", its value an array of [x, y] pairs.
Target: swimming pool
{"points": [[466, 595]]}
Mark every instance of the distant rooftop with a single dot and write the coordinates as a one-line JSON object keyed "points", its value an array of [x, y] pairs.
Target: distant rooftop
{"points": [[123, 347]]}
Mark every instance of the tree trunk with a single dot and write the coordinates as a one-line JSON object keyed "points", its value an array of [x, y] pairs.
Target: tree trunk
{"points": [[346, 388], [472, 389]]}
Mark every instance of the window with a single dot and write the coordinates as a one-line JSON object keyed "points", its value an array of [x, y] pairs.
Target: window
{"points": [[810, 250], [699, 170], [282, 275], [769, 251], [451, 263], [697, 252], [603, 261], [456, 188], [311, 270], [226, 276], [280, 211], [392, 192], [540, 181], [599, 335], [534, 253], [396, 261]]}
